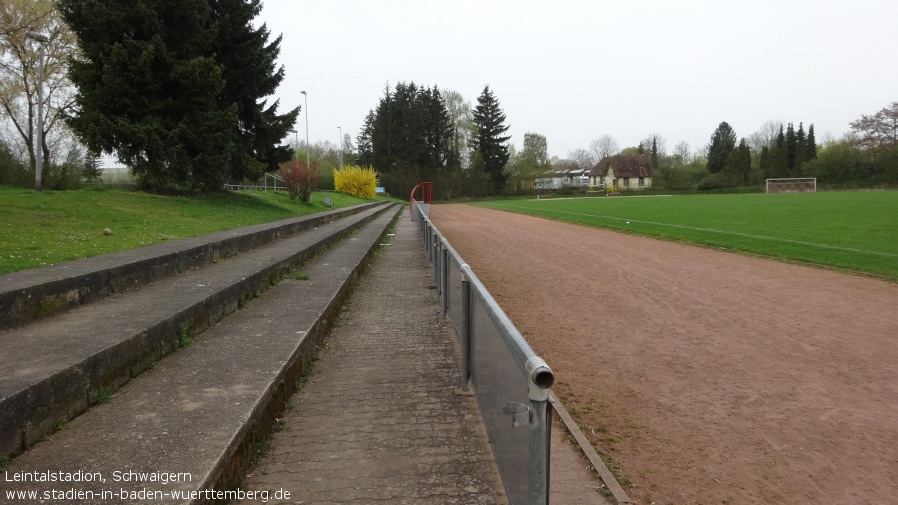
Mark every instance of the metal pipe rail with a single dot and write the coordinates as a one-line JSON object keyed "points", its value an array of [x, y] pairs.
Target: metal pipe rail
{"points": [[512, 384]]}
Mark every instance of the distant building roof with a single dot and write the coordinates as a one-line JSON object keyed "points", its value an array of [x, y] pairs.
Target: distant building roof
{"points": [[625, 166]]}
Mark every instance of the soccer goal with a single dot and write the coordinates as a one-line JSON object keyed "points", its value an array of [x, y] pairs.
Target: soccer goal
{"points": [[792, 185]]}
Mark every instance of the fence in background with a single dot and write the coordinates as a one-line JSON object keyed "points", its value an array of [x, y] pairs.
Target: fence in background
{"points": [[510, 381], [271, 182]]}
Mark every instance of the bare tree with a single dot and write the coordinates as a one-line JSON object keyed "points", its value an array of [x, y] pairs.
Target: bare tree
{"points": [[660, 143], [682, 154], [462, 118], [582, 159], [765, 136], [19, 74], [826, 139], [879, 130], [604, 147]]}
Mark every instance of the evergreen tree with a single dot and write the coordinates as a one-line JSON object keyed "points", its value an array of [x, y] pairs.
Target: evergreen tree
{"points": [[438, 130], [800, 148], [640, 149], [489, 142], [790, 149], [149, 88], [743, 161], [811, 144], [408, 137], [779, 156], [407, 117], [723, 141], [382, 133], [250, 73], [364, 150], [654, 153]]}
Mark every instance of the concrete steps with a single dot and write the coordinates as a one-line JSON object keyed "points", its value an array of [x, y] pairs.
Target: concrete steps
{"points": [[202, 413], [54, 369], [36, 294]]}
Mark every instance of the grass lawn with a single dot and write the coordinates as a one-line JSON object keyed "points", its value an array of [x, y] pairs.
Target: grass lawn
{"points": [[52, 226], [851, 230]]}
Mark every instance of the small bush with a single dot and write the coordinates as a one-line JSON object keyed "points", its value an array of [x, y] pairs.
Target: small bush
{"points": [[300, 179], [326, 176], [356, 181], [714, 181]]}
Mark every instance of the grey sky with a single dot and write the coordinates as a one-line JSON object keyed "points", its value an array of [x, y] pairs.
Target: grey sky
{"points": [[574, 70]]}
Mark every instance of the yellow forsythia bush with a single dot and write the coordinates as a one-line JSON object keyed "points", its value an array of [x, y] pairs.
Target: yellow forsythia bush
{"points": [[355, 181]]}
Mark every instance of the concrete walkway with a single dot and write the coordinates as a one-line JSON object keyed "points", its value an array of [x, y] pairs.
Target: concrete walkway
{"points": [[379, 419]]}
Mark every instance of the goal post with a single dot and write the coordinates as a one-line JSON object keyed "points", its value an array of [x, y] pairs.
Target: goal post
{"points": [[792, 185]]}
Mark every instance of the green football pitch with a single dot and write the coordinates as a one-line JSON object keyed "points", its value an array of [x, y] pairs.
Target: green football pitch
{"points": [[849, 230]]}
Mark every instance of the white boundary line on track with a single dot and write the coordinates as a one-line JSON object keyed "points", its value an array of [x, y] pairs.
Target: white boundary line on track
{"points": [[722, 232]]}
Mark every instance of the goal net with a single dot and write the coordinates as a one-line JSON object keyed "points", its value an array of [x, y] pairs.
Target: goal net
{"points": [[793, 185]]}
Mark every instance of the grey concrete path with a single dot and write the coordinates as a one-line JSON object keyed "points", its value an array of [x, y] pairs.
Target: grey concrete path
{"points": [[379, 419]]}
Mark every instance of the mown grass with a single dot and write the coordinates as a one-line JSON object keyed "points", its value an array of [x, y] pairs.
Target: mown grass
{"points": [[848, 230], [52, 226]]}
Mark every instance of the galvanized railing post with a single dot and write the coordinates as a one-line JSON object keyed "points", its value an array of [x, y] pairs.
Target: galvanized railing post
{"points": [[438, 265], [540, 430], [464, 342], [427, 239], [444, 288], [432, 235]]}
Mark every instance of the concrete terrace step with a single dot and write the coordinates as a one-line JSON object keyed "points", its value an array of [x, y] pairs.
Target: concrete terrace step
{"points": [[50, 369], [198, 417], [39, 293]]}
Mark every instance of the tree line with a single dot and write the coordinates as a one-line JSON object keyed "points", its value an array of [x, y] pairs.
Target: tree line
{"points": [[420, 133], [866, 156], [177, 90]]}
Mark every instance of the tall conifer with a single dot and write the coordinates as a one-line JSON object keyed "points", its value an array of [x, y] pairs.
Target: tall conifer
{"points": [[790, 149], [250, 71], [811, 144], [148, 89], [490, 144], [801, 149], [723, 141]]}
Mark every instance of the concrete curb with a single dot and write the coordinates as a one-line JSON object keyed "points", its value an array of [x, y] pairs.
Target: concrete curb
{"points": [[604, 473]]}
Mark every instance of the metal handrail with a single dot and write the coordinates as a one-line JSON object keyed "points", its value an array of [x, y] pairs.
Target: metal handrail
{"points": [[537, 373]]}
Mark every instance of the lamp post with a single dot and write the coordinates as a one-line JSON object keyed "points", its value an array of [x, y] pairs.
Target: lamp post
{"points": [[306, 98], [39, 158], [340, 128], [295, 133]]}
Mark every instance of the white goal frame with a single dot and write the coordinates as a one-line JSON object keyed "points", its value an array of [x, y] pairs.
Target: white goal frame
{"points": [[792, 185]]}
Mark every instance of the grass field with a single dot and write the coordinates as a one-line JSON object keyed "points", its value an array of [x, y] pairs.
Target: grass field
{"points": [[851, 230], [44, 228]]}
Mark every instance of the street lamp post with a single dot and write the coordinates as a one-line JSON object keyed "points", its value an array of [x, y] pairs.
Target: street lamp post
{"points": [[306, 98], [340, 128], [295, 133], [39, 158]]}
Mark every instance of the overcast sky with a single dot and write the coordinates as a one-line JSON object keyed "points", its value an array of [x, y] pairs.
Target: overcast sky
{"points": [[575, 70]]}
